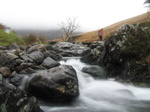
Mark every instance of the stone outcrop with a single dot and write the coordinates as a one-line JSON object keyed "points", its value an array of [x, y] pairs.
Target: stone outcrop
{"points": [[57, 84], [50, 63], [125, 53]]}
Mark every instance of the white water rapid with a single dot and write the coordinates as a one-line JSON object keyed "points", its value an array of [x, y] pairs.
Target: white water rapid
{"points": [[102, 95]]}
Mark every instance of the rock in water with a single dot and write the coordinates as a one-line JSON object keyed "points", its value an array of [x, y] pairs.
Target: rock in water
{"points": [[58, 83], [96, 71], [16, 100]]}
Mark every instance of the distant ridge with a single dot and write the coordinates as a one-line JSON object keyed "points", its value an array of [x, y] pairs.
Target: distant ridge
{"points": [[93, 35]]}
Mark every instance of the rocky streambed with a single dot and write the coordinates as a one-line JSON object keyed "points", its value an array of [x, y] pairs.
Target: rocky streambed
{"points": [[30, 73]]}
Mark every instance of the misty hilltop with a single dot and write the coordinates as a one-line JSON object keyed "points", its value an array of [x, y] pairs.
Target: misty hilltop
{"points": [[49, 34]]}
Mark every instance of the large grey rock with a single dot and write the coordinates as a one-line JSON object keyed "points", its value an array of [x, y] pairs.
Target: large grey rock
{"points": [[8, 60], [95, 71], [58, 83], [16, 100], [37, 56], [55, 55], [50, 63]]}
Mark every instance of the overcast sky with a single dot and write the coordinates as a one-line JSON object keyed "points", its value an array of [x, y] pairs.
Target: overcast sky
{"points": [[46, 14]]}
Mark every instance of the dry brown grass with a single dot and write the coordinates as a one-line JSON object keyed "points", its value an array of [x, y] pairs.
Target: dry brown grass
{"points": [[93, 35]]}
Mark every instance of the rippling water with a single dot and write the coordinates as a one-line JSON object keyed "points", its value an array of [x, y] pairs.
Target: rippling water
{"points": [[102, 95]]}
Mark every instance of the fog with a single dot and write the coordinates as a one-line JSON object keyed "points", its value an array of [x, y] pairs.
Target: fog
{"points": [[47, 14]]}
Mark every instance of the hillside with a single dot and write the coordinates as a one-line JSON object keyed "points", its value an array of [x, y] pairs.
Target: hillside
{"points": [[93, 36], [8, 37]]}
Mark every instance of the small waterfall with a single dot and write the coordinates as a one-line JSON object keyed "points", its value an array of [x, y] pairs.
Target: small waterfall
{"points": [[102, 95]]}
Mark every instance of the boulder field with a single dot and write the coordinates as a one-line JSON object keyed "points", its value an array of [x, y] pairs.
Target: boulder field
{"points": [[45, 77], [124, 56]]}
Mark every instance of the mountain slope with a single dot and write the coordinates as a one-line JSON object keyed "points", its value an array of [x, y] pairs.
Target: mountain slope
{"points": [[93, 35]]}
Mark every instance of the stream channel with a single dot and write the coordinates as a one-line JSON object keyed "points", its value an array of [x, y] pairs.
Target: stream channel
{"points": [[101, 95]]}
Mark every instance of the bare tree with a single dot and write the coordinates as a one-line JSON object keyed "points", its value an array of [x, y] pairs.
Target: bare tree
{"points": [[68, 27]]}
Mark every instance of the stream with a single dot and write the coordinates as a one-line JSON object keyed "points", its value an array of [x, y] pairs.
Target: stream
{"points": [[101, 95]]}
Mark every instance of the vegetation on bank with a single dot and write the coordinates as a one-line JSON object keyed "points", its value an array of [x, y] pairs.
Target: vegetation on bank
{"points": [[139, 43], [8, 37], [32, 38]]}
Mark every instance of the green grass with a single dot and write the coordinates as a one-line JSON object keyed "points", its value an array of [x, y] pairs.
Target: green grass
{"points": [[9, 38]]}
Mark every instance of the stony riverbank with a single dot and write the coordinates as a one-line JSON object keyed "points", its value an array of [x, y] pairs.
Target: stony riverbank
{"points": [[123, 56], [48, 79]]}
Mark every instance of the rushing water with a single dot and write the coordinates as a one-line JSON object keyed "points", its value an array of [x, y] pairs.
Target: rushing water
{"points": [[102, 95]]}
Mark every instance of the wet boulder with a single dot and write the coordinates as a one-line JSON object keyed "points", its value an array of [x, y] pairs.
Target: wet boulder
{"points": [[8, 60], [69, 49], [95, 71], [56, 84], [93, 54], [50, 63], [55, 55], [16, 100], [37, 57], [16, 79]]}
